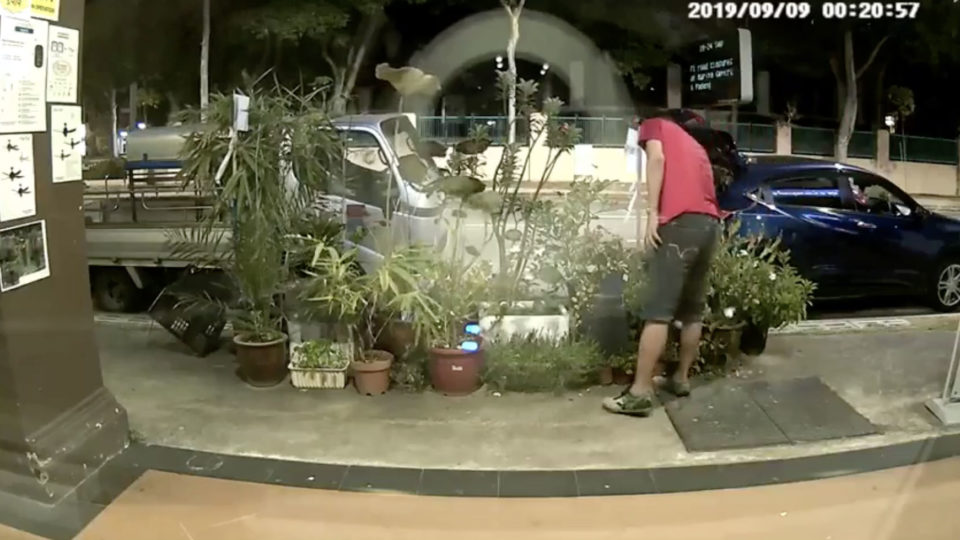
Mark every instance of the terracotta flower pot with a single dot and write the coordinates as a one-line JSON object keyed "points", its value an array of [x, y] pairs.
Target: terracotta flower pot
{"points": [[372, 376], [621, 377], [262, 364], [454, 372], [606, 376], [753, 341]]}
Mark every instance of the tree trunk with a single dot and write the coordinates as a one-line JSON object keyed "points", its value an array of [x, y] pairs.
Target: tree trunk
{"points": [[514, 14], [205, 62], [114, 127], [133, 106], [879, 97], [849, 116]]}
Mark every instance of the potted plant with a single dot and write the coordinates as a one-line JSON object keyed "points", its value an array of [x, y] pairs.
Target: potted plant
{"points": [[751, 285], [320, 363], [365, 302], [260, 184], [458, 291]]}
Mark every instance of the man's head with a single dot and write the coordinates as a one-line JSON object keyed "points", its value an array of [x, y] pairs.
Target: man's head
{"points": [[682, 117]]}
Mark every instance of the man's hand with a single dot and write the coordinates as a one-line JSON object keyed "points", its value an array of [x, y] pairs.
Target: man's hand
{"points": [[651, 238]]}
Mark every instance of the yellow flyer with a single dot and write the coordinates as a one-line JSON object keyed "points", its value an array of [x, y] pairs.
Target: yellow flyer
{"points": [[20, 8], [43, 9]]}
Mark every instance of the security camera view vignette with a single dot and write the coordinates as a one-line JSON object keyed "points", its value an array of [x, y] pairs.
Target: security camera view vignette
{"points": [[23, 255]]}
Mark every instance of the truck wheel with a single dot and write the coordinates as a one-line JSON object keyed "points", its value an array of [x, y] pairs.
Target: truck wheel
{"points": [[115, 292]]}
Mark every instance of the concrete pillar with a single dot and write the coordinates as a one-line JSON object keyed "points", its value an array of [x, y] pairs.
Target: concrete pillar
{"points": [[883, 149], [784, 139], [578, 84], [58, 423], [763, 92], [674, 86]]}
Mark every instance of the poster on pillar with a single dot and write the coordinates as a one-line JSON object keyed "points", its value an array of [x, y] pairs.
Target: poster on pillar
{"points": [[23, 255], [67, 145], [18, 198], [63, 65], [23, 75], [45, 9], [16, 8]]}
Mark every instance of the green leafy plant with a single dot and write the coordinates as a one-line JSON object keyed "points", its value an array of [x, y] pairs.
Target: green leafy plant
{"points": [[533, 363], [338, 289], [573, 254], [752, 281], [261, 183], [320, 354]]}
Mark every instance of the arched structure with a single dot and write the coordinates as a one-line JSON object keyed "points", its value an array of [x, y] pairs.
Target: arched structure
{"points": [[596, 86]]}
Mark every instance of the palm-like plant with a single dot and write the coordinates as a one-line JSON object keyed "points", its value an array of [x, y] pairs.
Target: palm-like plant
{"points": [[265, 185]]}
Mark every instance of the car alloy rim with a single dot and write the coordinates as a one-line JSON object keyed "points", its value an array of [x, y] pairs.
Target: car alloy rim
{"points": [[948, 288]]}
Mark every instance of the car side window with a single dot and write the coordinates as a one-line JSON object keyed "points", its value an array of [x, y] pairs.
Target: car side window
{"points": [[366, 173], [814, 191], [873, 195]]}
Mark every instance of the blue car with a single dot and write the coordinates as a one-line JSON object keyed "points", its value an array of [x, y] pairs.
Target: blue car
{"points": [[853, 233]]}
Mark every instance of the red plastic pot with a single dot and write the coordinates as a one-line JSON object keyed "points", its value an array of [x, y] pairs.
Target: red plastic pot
{"points": [[454, 372]]}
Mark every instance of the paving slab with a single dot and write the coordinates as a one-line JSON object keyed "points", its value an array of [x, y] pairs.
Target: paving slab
{"points": [[177, 399]]}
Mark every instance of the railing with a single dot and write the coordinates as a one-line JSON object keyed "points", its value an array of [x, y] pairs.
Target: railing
{"points": [[760, 138], [598, 131], [923, 149]]}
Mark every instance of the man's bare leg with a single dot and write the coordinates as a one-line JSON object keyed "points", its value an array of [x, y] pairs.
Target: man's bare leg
{"points": [[653, 340], [689, 349]]}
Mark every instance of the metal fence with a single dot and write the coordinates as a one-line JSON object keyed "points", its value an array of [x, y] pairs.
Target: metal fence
{"points": [[760, 138], [923, 149]]}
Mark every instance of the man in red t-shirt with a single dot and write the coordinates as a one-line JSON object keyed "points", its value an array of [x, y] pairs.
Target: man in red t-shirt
{"points": [[682, 232]]}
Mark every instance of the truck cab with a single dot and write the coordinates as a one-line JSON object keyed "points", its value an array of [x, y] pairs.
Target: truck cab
{"points": [[129, 219]]}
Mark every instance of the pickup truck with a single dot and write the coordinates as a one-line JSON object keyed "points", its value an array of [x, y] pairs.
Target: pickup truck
{"points": [[129, 219]]}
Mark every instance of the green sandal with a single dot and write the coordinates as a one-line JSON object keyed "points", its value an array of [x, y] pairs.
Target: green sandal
{"points": [[630, 405]]}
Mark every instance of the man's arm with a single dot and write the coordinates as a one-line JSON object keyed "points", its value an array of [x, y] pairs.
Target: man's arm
{"points": [[655, 163]]}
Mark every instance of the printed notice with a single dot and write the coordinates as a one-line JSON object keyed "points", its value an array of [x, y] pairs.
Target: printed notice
{"points": [[18, 198], [23, 255], [45, 9], [67, 143], [19, 8], [23, 75], [63, 65]]}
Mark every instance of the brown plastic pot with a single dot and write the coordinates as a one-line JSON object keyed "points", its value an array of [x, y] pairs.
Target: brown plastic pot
{"points": [[606, 376], [371, 377], [621, 377], [454, 372], [262, 364]]}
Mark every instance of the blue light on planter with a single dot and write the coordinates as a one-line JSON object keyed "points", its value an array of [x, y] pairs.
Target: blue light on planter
{"points": [[472, 329], [470, 346]]}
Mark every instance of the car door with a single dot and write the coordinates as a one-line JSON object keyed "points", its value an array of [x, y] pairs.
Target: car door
{"points": [[806, 211], [891, 236], [368, 187]]}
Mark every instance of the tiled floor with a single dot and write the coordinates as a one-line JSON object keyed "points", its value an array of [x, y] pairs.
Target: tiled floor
{"points": [[6, 533], [909, 503]]}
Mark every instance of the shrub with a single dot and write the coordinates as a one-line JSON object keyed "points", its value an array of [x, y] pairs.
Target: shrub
{"points": [[533, 363]]}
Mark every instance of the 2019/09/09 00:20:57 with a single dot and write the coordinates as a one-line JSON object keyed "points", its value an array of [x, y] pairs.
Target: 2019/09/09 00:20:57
{"points": [[802, 10]]}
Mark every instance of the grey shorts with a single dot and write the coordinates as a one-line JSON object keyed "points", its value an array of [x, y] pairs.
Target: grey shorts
{"points": [[679, 268]]}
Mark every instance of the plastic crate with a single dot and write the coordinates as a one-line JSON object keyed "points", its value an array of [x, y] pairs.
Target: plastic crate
{"points": [[197, 324]]}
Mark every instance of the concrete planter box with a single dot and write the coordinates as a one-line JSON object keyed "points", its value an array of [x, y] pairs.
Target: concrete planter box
{"points": [[555, 326]]}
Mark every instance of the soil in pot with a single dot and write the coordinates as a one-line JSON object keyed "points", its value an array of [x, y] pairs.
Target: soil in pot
{"points": [[371, 377], [753, 341], [262, 364], [454, 372]]}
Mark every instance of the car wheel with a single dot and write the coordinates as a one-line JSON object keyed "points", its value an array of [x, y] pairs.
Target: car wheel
{"points": [[945, 296]]}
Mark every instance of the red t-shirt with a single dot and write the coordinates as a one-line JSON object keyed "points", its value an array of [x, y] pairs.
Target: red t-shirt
{"points": [[687, 173]]}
